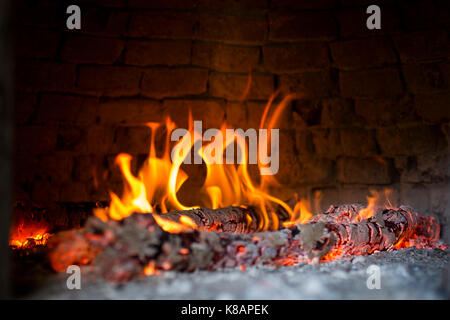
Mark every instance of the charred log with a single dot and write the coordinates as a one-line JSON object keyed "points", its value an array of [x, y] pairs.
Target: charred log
{"points": [[229, 219], [123, 249]]}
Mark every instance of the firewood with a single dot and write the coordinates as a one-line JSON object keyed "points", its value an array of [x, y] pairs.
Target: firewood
{"points": [[126, 247], [229, 219]]}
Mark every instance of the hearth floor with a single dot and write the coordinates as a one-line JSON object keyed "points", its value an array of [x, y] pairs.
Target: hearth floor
{"points": [[404, 274]]}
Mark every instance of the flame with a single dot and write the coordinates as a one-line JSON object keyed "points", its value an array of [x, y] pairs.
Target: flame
{"points": [[370, 209], [39, 237], [374, 202], [150, 269], [301, 213], [154, 189], [185, 224], [27, 234]]}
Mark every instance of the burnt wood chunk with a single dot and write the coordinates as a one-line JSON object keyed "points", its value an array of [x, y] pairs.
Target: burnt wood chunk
{"points": [[123, 249]]}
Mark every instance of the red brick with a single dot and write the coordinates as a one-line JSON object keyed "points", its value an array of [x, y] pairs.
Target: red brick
{"points": [[24, 173], [132, 140], [338, 112], [86, 168], [422, 46], [439, 199], [231, 29], [43, 75], [72, 139], [172, 25], [302, 4], [358, 142], [129, 111], [160, 83], [83, 49], [327, 142], [310, 84], [362, 53], [75, 191], [98, 139], [111, 81], [374, 83], [255, 110], [85, 139], [302, 26], [108, 3], [352, 23], [382, 112], [295, 57], [36, 43], [330, 143], [306, 112], [225, 58], [289, 167], [36, 139], [68, 109], [412, 140], [236, 114], [45, 191], [104, 22], [322, 198], [233, 6], [157, 52], [164, 4], [24, 106], [44, 13], [315, 170], [423, 15], [366, 171], [359, 3], [210, 112], [415, 196], [423, 168], [433, 108], [55, 167], [233, 86], [427, 78], [303, 142]]}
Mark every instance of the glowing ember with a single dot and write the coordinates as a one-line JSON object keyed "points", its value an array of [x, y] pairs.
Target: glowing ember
{"points": [[38, 238], [28, 234], [150, 269]]}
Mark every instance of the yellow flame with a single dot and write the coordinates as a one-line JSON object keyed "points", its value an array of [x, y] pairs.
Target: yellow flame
{"points": [[160, 178]]}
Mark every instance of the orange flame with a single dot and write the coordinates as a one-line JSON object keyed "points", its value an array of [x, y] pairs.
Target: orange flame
{"points": [[39, 237], [160, 178], [150, 269], [27, 234]]}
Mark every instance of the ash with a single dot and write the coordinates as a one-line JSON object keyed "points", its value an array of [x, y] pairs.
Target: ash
{"points": [[405, 274]]}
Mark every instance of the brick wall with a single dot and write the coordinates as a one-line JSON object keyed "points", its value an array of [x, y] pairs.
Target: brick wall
{"points": [[372, 108], [6, 137]]}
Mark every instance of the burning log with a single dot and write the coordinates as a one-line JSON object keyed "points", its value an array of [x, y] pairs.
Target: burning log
{"points": [[229, 219], [138, 244]]}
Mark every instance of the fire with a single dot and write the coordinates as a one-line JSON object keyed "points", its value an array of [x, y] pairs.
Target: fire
{"points": [[150, 269], [186, 224], [26, 233], [39, 237], [155, 188], [374, 202]]}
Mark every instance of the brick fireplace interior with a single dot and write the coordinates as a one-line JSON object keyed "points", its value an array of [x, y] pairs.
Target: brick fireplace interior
{"points": [[371, 109]]}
